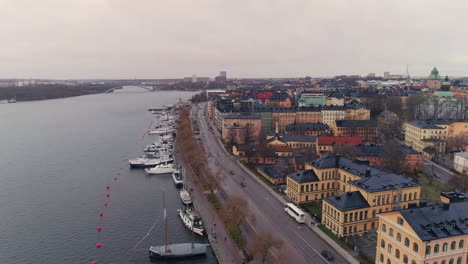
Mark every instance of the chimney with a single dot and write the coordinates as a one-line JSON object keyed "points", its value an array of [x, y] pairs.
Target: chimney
{"points": [[337, 160], [367, 173]]}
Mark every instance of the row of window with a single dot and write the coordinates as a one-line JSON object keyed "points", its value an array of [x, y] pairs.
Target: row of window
{"points": [[406, 261], [453, 246]]}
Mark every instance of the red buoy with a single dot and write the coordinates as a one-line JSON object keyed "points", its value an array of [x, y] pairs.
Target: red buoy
{"points": [[98, 228], [107, 195], [105, 204], [93, 262], [101, 214], [98, 245], [107, 187]]}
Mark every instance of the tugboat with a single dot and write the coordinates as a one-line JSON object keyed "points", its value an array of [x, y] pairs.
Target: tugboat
{"points": [[192, 221], [174, 251]]}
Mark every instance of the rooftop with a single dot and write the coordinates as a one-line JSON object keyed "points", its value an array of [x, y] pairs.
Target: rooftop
{"points": [[304, 176], [348, 201], [307, 127], [330, 140], [271, 171], [356, 123], [423, 124], [439, 221]]}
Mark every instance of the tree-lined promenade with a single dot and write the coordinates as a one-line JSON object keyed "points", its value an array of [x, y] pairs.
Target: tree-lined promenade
{"points": [[50, 91], [232, 211]]}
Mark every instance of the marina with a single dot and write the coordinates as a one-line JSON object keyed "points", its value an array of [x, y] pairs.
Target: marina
{"points": [[62, 194]]}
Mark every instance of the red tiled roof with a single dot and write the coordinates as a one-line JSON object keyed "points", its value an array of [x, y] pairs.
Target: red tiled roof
{"points": [[330, 140]]}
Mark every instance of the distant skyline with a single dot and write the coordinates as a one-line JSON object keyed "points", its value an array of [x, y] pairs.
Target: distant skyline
{"points": [[157, 39]]}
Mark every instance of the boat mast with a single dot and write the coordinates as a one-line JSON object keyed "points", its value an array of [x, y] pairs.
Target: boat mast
{"points": [[165, 222]]}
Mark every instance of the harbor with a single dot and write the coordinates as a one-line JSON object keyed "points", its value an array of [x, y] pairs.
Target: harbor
{"points": [[63, 190]]}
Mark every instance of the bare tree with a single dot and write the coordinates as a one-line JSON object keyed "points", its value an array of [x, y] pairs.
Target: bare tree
{"points": [[262, 244], [347, 150], [392, 157], [235, 211], [457, 142], [459, 181], [213, 181]]}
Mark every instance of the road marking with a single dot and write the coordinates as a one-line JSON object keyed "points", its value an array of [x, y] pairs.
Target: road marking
{"points": [[310, 245]]}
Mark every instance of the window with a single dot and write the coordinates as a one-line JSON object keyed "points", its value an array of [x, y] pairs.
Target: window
{"points": [[406, 242], [453, 245], [384, 228], [459, 260], [397, 254], [389, 248], [382, 243], [390, 232], [443, 262], [436, 249], [415, 247], [428, 250], [400, 221], [444, 247], [405, 259], [388, 261], [461, 244], [451, 261], [398, 237], [413, 261], [381, 258]]}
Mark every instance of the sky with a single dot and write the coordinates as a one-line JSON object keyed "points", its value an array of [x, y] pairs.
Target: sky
{"points": [[110, 39]]}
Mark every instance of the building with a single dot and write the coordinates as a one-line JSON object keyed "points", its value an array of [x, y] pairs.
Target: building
{"points": [[357, 113], [327, 143], [460, 162], [412, 160], [311, 99], [353, 192], [330, 114], [240, 129], [387, 118], [434, 81], [366, 129], [307, 129], [308, 115], [431, 234], [423, 136], [271, 174]]}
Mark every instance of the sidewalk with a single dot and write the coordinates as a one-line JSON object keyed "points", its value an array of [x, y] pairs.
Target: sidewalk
{"points": [[223, 246]]}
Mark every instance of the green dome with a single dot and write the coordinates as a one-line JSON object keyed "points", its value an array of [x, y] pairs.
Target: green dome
{"points": [[434, 74]]}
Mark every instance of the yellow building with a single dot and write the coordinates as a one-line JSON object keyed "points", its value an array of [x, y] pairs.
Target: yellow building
{"points": [[422, 134], [359, 113], [457, 127], [353, 193], [435, 234]]}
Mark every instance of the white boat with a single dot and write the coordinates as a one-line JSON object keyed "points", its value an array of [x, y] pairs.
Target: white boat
{"points": [[174, 251], [161, 131], [178, 181], [161, 169], [142, 162], [185, 197], [192, 221]]}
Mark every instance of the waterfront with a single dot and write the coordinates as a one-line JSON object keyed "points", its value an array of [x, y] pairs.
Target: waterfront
{"points": [[57, 158]]}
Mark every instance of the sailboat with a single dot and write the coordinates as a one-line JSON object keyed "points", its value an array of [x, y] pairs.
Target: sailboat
{"points": [[173, 251]]}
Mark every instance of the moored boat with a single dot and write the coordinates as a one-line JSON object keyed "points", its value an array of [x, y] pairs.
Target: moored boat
{"points": [[178, 181], [161, 169], [192, 221], [185, 197]]}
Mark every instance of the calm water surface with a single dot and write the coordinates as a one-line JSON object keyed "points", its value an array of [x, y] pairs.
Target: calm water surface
{"points": [[56, 159]]}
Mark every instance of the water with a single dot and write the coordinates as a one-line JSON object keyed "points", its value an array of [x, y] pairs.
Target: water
{"points": [[56, 159]]}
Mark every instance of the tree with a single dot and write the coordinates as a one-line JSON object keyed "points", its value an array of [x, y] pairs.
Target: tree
{"points": [[394, 104], [213, 181], [457, 142], [459, 181], [413, 102], [346, 149], [391, 158], [391, 130], [235, 211], [262, 244]]}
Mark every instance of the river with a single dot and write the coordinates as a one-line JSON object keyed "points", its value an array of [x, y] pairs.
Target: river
{"points": [[56, 159]]}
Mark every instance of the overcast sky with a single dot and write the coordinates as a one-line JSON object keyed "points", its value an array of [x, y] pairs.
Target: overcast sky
{"points": [[247, 38]]}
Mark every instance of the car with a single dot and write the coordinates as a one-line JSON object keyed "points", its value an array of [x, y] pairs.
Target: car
{"points": [[231, 172], [328, 255], [243, 184]]}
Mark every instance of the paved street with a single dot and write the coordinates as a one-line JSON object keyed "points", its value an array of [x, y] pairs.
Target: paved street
{"points": [[304, 244], [440, 173]]}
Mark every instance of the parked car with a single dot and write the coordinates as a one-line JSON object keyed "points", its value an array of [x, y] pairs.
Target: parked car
{"points": [[328, 255], [243, 184], [231, 172]]}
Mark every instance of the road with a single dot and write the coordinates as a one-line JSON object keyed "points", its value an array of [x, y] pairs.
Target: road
{"points": [[303, 244], [441, 174]]}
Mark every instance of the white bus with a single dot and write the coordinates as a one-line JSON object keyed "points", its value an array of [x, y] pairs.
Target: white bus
{"points": [[295, 212]]}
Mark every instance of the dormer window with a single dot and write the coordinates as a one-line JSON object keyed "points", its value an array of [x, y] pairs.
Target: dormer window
{"points": [[466, 222], [441, 225], [452, 224], [428, 228]]}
